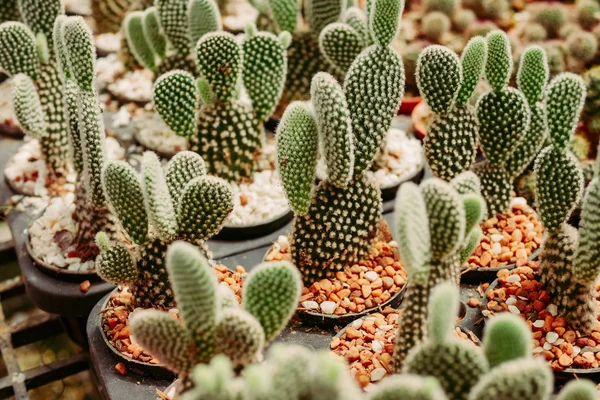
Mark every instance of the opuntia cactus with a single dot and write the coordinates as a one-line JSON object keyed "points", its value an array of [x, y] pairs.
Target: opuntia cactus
{"points": [[351, 134], [569, 261], [26, 52], [433, 248], [181, 203], [9, 11], [227, 131], [446, 84], [210, 327]]}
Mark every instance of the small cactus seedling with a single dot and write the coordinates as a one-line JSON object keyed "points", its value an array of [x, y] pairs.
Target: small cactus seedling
{"points": [[27, 55], [162, 37], [569, 262], [446, 84], [75, 52], [504, 369], [337, 221], [182, 203], [212, 324], [227, 131], [437, 229], [511, 122]]}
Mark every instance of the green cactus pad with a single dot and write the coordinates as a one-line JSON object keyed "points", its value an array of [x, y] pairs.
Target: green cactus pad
{"points": [[375, 81], [408, 387], [506, 338], [498, 67], [70, 92], [533, 74], [474, 206], [18, 50], [205, 204], [340, 44], [496, 187], [297, 147], [39, 15], [384, 20], [321, 13], [559, 183], [164, 337], [239, 336], [565, 97], [203, 17], [467, 182], [143, 51], [79, 44], [335, 128], [182, 168], [264, 71], [439, 78], [587, 256], [528, 147], [473, 60], [114, 264], [195, 285], [27, 106], [444, 304], [579, 389], [451, 142], [446, 217], [271, 293], [355, 18], [152, 288], [159, 205], [151, 30], [318, 255], [470, 244], [412, 229], [124, 192], [175, 98], [223, 68], [174, 23]]}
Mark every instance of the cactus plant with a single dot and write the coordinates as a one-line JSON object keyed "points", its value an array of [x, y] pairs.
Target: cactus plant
{"points": [[109, 14], [566, 252], [351, 133], [210, 327], [226, 130], [591, 115], [435, 25], [586, 11], [162, 37], [582, 46], [446, 84], [552, 17], [433, 248], [181, 203], [26, 51], [9, 11]]}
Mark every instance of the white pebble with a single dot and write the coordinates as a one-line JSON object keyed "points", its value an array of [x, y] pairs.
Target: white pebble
{"points": [[551, 337], [529, 227], [513, 278], [328, 307], [511, 301], [518, 201], [496, 237], [559, 341], [486, 313], [514, 310], [377, 374], [576, 350], [538, 350], [496, 248], [552, 309], [539, 323], [311, 305], [386, 328], [547, 346], [377, 346], [371, 276], [357, 323]]}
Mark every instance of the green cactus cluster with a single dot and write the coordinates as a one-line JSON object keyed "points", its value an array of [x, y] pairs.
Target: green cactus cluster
{"points": [[351, 132], [162, 37], [446, 84], [26, 52], [73, 43], [180, 203], [211, 323], [221, 126], [435, 26], [517, 113], [569, 260], [552, 17], [582, 45], [437, 229], [586, 12]]}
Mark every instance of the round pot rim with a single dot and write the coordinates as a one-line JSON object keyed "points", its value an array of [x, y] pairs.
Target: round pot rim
{"points": [[11, 130]]}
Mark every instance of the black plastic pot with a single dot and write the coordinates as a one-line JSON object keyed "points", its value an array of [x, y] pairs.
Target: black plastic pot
{"points": [[155, 371], [389, 193], [11, 130], [484, 275], [241, 232]]}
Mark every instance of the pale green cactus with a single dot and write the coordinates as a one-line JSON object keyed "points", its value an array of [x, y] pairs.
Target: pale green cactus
{"points": [[227, 131], [182, 203], [351, 135], [26, 49], [446, 84], [270, 297]]}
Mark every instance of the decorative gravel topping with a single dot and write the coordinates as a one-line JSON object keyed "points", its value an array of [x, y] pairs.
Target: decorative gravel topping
{"points": [[363, 286], [107, 70], [133, 86], [115, 317], [152, 133], [108, 42], [368, 345], [508, 238], [519, 291]]}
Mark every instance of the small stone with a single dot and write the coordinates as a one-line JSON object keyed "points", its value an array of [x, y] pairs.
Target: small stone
{"points": [[539, 323], [377, 346], [513, 278], [473, 302], [565, 360], [547, 346], [328, 307], [85, 286], [371, 276], [514, 310], [353, 333], [366, 291], [552, 309], [496, 237], [120, 367], [311, 305], [511, 301], [387, 282], [335, 342], [496, 248], [377, 374], [551, 337]]}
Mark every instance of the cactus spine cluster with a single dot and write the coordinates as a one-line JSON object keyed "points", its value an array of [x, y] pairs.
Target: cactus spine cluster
{"points": [[211, 323], [9, 11], [27, 54], [351, 124], [437, 229], [73, 43], [569, 261], [226, 130], [181, 203], [446, 84], [162, 37]]}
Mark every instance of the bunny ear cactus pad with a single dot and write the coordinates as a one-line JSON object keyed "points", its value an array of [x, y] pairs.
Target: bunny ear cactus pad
{"points": [[565, 97], [384, 20], [297, 148], [18, 50], [183, 167], [39, 15], [340, 44], [321, 13], [408, 387], [175, 97], [173, 21], [27, 106], [439, 78], [533, 74], [579, 390], [203, 17], [496, 186], [223, 68], [499, 63], [473, 60], [133, 25], [506, 339]]}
